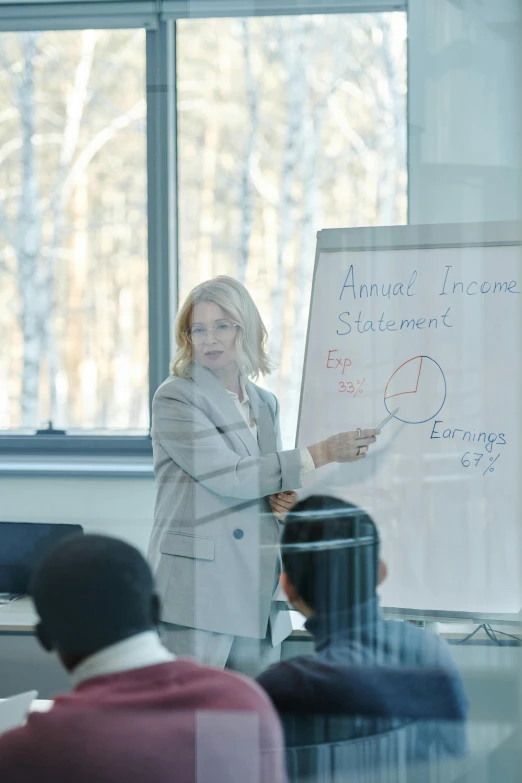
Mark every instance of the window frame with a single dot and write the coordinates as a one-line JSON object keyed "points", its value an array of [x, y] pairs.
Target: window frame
{"points": [[46, 15], [132, 454], [204, 9]]}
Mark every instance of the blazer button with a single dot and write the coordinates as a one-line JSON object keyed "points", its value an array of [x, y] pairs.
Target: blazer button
{"points": [[238, 533]]}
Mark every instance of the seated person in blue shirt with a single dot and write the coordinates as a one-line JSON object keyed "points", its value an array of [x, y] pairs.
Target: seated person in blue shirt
{"points": [[382, 672]]}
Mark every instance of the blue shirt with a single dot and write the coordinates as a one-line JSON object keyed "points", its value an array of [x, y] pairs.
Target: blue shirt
{"points": [[373, 675]]}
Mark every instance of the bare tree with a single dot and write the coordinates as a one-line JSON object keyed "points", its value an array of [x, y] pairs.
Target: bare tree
{"points": [[291, 42], [74, 111], [247, 193], [319, 141], [310, 218], [36, 253], [394, 135], [28, 238]]}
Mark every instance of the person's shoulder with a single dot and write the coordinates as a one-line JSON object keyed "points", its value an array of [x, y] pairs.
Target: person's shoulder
{"points": [[283, 678], [307, 684], [282, 669], [12, 744], [174, 387], [27, 742], [418, 646], [436, 650]]}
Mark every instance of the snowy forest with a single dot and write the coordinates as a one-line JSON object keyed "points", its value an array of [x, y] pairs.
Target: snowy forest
{"points": [[286, 125]]}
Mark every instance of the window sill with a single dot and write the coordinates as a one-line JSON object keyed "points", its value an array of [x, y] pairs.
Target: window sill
{"points": [[76, 466], [114, 456], [90, 456]]}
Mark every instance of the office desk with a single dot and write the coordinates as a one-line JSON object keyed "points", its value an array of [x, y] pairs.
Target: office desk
{"points": [[39, 705], [18, 617], [24, 665], [488, 670]]}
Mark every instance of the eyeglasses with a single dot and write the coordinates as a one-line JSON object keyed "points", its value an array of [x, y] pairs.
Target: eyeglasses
{"points": [[224, 331]]}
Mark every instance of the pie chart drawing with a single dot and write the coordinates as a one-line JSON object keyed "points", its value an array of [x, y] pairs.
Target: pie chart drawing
{"points": [[418, 388]]}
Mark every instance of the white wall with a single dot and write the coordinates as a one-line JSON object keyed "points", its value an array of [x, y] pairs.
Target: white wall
{"points": [[464, 110], [119, 507]]}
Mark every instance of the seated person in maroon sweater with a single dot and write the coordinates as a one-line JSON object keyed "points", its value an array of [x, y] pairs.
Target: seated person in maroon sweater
{"points": [[136, 713], [368, 675]]}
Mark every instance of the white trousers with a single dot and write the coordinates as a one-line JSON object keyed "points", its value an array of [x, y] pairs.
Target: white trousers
{"points": [[240, 653]]}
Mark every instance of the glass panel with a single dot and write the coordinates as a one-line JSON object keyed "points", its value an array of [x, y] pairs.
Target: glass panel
{"points": [[286, 125], [73, 230]]}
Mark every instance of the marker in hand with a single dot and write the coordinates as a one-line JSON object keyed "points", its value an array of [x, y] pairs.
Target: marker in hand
{"points": [[387, 419]]}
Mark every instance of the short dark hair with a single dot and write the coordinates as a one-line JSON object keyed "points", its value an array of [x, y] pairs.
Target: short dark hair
{"points": [[92, 591], [330, 552]]}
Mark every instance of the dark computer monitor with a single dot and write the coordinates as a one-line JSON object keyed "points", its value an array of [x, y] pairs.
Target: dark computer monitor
{"points": [[23, 546]]}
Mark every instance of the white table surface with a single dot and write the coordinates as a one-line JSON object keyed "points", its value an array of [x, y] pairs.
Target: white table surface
{"points": [[39, 705], [18, 615]]}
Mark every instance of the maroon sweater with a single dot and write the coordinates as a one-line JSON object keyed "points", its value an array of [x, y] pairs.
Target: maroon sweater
{"points": [[175, 722]]}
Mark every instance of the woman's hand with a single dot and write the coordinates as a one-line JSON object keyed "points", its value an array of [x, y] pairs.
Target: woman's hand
{"points": [[343, 447], [282, 502]]}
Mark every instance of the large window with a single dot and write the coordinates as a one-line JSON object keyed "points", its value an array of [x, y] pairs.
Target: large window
{"points": [[286, 125], [73, 231]]}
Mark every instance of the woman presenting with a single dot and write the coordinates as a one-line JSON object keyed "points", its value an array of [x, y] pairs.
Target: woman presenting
{"points": [[223, 483]]}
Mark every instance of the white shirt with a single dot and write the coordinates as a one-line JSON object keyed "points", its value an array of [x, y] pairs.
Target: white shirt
{"points": [[245, 409], [137, 652]]}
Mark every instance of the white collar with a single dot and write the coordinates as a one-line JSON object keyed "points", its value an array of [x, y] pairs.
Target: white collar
{"points": [[144, 649], [242, 383]]}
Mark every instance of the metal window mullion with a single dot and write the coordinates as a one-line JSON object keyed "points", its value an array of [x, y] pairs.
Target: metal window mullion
{"points": [[78, 15], [186, 9], [162, 198]]}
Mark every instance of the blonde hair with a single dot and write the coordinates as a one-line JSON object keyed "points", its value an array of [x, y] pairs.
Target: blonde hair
{"points": [[234, 299]]}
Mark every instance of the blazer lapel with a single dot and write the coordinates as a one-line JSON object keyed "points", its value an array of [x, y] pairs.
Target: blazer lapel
{"points": [[266, 435], [226, 417]]}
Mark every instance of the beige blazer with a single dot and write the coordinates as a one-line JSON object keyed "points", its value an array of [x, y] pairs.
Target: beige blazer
{"points": [[214, 545]]}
